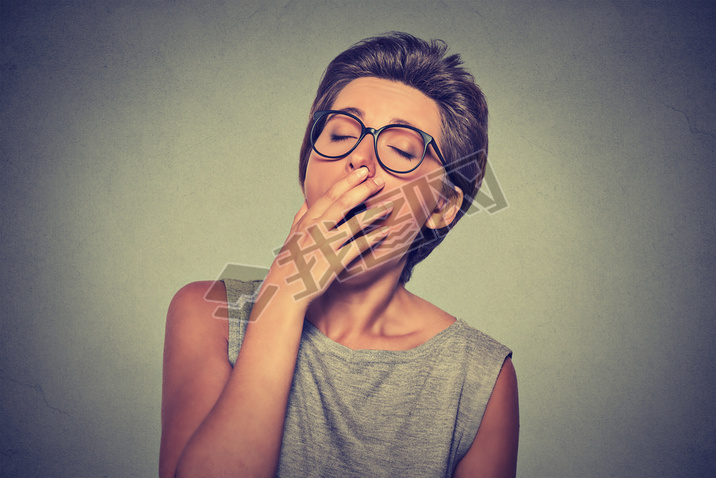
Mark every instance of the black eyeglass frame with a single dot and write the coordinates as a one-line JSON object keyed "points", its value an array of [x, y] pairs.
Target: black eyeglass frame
{"points": [[427, 140]]}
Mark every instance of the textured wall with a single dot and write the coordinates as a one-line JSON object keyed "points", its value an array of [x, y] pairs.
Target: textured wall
{"points": [[146, 144]]}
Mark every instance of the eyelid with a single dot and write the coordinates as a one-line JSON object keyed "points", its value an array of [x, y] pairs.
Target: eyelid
{"points": [[402, 152]]}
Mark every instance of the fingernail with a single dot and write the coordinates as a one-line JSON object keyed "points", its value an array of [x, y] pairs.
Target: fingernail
{"points": [[378, 181], [362, 172]]}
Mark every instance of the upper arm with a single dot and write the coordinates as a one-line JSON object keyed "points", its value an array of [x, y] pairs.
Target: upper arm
{"points": [[493, 453], [195, 369]]}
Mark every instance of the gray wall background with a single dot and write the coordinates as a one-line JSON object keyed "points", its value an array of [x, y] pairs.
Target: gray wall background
{"points": [[147, 144]]}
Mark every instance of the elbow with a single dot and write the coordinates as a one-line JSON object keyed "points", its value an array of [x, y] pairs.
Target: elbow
{"points": [[190, 465], [197, 463], [185, 464]]}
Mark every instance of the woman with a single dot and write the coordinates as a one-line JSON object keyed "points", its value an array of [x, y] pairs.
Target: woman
{"points": [[338, 370]]}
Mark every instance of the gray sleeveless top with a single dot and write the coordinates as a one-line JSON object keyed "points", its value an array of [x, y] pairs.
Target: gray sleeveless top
{"points": [[379, 413]]}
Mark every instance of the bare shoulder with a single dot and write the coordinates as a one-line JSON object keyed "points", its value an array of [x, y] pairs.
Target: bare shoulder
{"points": [[195, 302], [196, 366], [493, 453], [194, 335]]}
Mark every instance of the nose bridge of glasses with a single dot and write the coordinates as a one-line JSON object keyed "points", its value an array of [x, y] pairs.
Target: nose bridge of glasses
{"points": [[374, 134], [372, 145]]}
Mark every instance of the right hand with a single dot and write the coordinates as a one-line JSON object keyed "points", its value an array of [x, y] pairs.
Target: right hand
{"points": [[319, 246]]}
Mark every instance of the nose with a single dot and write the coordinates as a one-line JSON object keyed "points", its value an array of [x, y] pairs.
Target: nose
{"points": [[363, 155]]}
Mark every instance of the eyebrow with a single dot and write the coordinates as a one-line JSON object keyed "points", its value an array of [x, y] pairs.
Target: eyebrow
{"points": [[359, 113]]}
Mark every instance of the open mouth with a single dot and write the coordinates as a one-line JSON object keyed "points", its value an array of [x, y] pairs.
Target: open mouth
{"points": [[352, 213], [377, 222]]}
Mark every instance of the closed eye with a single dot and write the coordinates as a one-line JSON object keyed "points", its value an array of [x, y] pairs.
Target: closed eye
{"points": [[337, 138], [402, 153]]}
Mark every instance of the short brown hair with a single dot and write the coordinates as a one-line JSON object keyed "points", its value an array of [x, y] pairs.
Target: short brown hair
{"points": [[424, 66]]}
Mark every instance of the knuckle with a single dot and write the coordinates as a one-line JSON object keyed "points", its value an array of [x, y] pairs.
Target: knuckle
{"points": [[331, 194], [344, 203]]}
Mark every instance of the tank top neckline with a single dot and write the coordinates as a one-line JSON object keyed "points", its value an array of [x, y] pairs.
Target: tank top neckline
{"points": [[325, 344]]}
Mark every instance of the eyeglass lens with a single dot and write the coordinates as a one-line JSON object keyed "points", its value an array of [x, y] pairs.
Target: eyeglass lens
{"points": [[399, 148]]}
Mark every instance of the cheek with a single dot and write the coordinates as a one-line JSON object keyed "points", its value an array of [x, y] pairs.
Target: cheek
{"points": [[317, 181], [408, 210], [414, 200]]}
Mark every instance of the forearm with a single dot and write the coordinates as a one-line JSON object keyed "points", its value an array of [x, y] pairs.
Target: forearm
{"points": [[242, 434]]}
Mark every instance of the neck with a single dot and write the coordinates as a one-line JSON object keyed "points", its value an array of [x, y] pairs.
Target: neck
{"points": [[358, 308]]}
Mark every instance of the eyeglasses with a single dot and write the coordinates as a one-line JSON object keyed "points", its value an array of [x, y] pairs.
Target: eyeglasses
{"points": [[398, 148]]}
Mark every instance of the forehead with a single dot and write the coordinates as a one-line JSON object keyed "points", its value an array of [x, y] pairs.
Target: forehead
{"points": [[383, 102]]}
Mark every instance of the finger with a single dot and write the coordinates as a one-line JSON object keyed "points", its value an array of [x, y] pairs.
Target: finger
{"points": [[363, 243], [365, 221], [350, 199], [337, 190]]}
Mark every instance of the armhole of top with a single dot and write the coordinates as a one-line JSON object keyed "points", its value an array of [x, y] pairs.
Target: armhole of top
{"points": [[240, 297], [480, 382]]}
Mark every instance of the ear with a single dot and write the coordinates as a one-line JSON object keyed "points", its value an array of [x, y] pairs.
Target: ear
{"points": [[445, 211]]}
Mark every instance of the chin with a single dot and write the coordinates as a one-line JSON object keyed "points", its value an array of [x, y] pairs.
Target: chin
{"points": [[360, 271]]}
